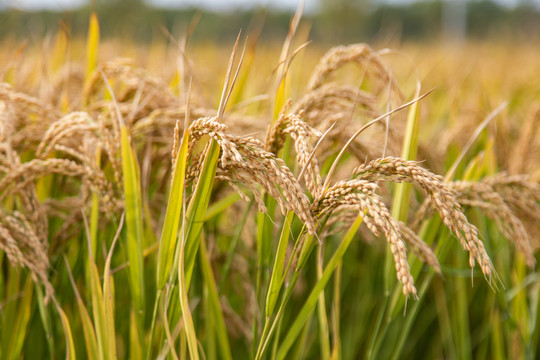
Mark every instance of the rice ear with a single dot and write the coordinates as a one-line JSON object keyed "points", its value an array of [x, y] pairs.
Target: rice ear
{"points": [[441, 197], [361, 195]]}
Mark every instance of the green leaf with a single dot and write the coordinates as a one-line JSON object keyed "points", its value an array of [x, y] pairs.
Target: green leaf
{"points": [[94, 215], [400, 205], [135, 349], [198, 205], [88, 331], [45, 319], [189, 328], [219, 206], [169, 233], [17, 317], [98, 309], [215, 306], [276, 279], [92, 47], [108, 301], [324, 333], [70, 346], [306, 311], [134, 222]]}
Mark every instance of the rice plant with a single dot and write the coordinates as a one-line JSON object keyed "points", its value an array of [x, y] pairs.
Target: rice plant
{"points": [[297, 213]]}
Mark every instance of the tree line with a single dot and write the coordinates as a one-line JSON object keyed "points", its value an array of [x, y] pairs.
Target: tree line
{"points": [[344, 22]]}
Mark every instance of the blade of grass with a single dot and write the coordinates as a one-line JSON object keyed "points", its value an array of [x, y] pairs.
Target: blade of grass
{"points": [[86, 322], [92, 45], [198, 206], [45, 319], [170, 344], [189, 328], [94, 215], [497, 341], [535, 318], [459, 312], [265, 236], [70, 346], [135, 341], [169, 231], [277, 277], [309, 305], [270, 326], [387, 120], [216, 312], [400, 204], [92, 49], [210, 347], [519, 305], [302, 249], [443, 316], [108, 296], [219, 206], [134, 223], [275, 344], [324, 333], [301, 348], [336, 313], [18, 318], [153, 326], [98, 310], [60, 49], [233, 245], [229, 82]]}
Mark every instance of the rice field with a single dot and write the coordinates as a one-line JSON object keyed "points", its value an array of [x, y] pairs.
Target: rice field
{"points": [[281, 201]]}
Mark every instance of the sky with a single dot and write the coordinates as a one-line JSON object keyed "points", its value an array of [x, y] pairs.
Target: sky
{"points": [[209, 4]]}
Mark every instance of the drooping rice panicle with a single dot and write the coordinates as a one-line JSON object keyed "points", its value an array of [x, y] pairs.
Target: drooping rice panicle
{"points": [[442, 198], [361, 193]]}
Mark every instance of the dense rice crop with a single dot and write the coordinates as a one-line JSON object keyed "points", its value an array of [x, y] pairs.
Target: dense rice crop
{"points": [[293, 211]]}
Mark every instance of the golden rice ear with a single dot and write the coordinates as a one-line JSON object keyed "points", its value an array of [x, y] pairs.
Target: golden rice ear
{"points": [[74, 125], [333, 99], [243, 159], [133, 80], [482, 196], [419, 247], [442, 198], [301, 133], [512, 202], [24, 118], [22, 245], [361, 195], [360, 54], [523, 198], [527, 146]]}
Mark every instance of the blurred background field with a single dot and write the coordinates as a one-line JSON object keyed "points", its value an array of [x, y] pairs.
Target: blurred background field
{"points": [[331, 22], [119, 84]]}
